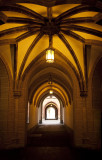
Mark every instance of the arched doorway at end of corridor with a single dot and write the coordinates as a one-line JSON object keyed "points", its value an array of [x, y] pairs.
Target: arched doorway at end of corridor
{"points": [[51, 112]]}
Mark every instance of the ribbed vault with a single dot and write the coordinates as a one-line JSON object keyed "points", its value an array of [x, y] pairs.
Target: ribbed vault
{"points": [[61, 75], [50, 103], [25, 30], [43, 92]]}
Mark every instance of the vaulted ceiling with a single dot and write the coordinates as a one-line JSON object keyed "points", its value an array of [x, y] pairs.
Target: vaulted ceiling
{"points": [[25, 29]]}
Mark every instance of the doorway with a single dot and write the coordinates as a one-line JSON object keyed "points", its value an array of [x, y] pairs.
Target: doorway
{"points": [[50, 110], [51, 113]]}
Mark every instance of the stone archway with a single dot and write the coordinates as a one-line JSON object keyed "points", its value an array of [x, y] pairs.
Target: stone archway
{"points": [[51, 112]]}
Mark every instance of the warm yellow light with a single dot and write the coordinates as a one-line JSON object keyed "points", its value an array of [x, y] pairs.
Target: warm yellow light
{"points": [[51, 91], [50, 56]]}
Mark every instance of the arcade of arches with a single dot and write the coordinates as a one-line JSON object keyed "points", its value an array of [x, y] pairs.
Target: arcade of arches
{"points": [[75, 74]]}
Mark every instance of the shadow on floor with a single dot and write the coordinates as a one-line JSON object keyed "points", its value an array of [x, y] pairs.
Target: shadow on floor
{"points": [[50, 136], [49, 153], [49, 142]]}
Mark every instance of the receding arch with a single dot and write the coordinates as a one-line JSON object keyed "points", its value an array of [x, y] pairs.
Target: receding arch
{"points": [[40, 62], [53, 100], [46, 95], [45, 89], [54, 109], [35, 85]]}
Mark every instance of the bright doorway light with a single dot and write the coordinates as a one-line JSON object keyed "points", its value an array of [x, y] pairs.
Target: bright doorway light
{"points": [[50, 113]]}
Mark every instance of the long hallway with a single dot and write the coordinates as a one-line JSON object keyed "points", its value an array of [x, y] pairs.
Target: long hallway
{"points": [[50, 142], [50, 69]]}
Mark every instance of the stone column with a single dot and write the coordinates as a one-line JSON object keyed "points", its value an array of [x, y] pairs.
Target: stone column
{"points": [[61, 113], [17, 95], [85, 139], [40, 114]]}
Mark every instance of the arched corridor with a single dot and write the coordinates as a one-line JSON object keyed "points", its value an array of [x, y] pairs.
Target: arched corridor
{"points": [[50, 78], [51, 110]]}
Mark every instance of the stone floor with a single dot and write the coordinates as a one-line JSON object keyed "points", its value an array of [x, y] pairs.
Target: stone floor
{"points": [[50, 142], [50, 136], [50, 122]]}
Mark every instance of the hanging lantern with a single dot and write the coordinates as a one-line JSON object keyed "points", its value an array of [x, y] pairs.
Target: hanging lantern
{"points": [[50, 55], [51, 91]]}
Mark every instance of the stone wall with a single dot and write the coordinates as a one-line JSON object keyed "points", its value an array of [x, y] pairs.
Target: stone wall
{"points": [[4, 104]]}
